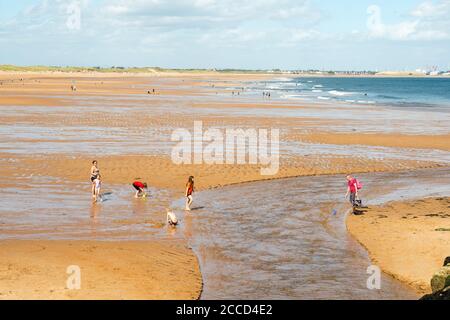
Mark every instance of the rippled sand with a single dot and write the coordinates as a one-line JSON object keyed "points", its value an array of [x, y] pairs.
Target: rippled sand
{"points": [[49, 136]]}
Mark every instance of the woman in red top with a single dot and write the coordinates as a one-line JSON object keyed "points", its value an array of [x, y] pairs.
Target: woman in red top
{"points": [[189, 191], [139, 186]]}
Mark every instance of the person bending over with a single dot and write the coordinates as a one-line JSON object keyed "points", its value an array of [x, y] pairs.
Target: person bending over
{"points": [[140, 189]]}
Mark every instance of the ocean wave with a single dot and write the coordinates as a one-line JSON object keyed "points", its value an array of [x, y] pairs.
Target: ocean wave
{"points": [[274, 87], [294, 96], [323, 98], [283, 79], [316, 90], [366, 102], [340, 93]]}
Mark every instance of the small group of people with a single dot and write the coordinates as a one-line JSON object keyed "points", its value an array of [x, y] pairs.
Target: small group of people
{"points": [[140, 187], [266, 94], [353, 185]]}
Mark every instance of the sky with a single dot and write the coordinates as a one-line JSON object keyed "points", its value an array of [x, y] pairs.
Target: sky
{"points": [[245, 34]]}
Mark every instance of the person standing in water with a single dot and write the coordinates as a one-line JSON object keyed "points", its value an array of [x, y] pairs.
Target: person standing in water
{"points": [[98, 186], [95, 172], [140, 189], [189, 191], [352, 189]]}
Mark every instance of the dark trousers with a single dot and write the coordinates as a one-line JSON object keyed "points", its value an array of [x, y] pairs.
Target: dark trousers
{"points": [[353, 198]]}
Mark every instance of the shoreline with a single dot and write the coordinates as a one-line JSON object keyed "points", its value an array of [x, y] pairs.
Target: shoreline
{"points": [[403, 226]]}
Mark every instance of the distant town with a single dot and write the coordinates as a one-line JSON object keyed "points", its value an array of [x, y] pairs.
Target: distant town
{"points": [[418, 72]]}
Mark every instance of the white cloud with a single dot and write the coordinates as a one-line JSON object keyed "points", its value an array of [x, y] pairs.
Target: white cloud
{"points": [[234, 37], [223, 31], [431, 9], [428, 21], [210, 11]]}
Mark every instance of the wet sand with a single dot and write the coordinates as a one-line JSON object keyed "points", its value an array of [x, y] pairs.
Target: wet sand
{"points": [[49, 136], [161, 172], [440, 142], [108, 270], [407, 239], [291, 245]]}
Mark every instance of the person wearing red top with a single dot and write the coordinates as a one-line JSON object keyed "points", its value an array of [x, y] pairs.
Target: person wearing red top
{"points": [[352, 189], [139, 186], [189, 190]]}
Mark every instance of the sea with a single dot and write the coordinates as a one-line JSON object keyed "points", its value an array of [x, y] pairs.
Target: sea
{"points": [[412, 92]]}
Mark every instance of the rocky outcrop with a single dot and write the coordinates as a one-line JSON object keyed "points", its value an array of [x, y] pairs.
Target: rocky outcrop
{"points": [[441, 279], [447, 261], [438, 295], [440, 283]]}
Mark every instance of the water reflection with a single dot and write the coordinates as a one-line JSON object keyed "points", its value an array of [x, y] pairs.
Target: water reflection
{"points": [[280, 239]]}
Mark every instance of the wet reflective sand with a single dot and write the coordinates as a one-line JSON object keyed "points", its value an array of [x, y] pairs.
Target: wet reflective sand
{"points": [[279, 239], [273, 239]]}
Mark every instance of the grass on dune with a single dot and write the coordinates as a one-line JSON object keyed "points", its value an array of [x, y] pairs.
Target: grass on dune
{"points": [[14, 68]]}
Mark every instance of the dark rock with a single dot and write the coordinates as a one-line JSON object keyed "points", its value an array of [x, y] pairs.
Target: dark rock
{"points": [[443, 294], [446, 261]]}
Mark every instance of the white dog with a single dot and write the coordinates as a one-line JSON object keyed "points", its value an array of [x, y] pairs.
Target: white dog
{"points": [[171, 218]]}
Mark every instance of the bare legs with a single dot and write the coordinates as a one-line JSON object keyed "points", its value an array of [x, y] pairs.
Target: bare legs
{"points": [[93, 189], [97, 194], [188, 202], [140, 192]]}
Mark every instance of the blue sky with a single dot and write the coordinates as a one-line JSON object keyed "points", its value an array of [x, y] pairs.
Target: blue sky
{"points": [[251, 34]]}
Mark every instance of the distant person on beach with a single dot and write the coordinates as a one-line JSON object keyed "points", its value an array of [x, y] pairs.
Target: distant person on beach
{"points": [[140, 188], [189, 191], [95, 172], [352, 190], [97, 188]]}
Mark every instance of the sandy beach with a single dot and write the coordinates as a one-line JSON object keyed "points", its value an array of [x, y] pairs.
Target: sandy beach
{"points": [[108, 270], [50, 136], [408, 240]]}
